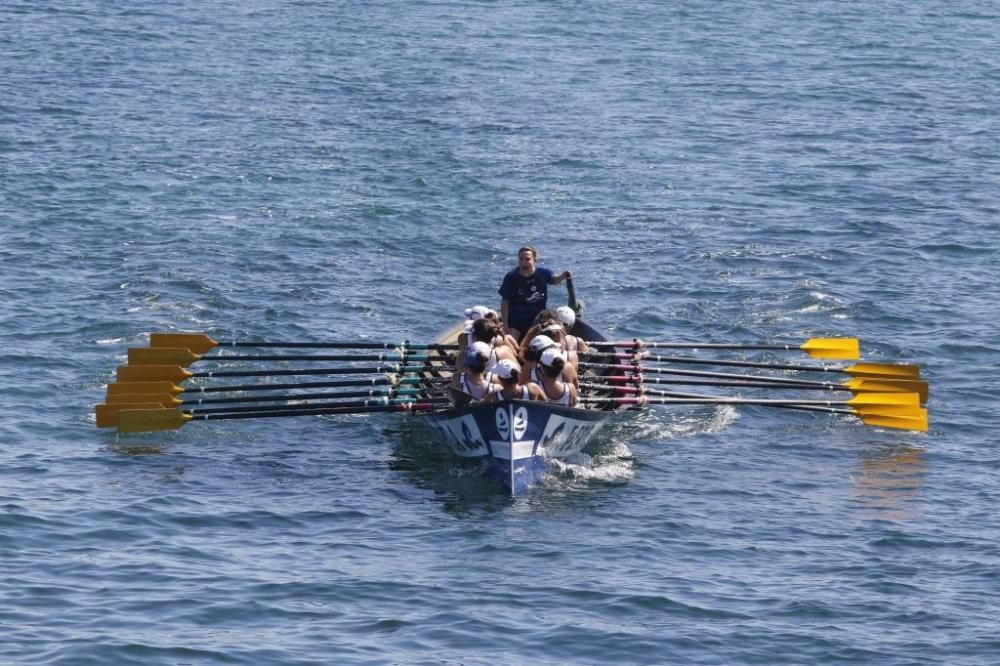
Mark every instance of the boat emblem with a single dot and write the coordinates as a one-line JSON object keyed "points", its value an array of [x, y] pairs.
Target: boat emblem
{"points": [[503, 424], [520, 423]]}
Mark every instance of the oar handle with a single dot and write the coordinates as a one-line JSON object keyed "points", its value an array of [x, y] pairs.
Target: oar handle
{"points": [[571, 300]]}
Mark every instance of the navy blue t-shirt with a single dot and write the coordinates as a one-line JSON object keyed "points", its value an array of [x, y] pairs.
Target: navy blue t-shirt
{"points": [[526, 296]]}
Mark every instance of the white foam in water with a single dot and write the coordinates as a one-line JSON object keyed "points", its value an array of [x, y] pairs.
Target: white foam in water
{"points": [[612, 467]]}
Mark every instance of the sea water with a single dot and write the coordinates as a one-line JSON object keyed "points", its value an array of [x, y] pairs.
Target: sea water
{"points": [[708, 171]]}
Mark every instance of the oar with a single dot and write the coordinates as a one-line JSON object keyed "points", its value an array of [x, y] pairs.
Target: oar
{"points": [[170, 400], [107, 414], [873, 370], [166, 386], [177, 374], [184, 357], [891, 410], [856, 385], [571, 300], [831, 348], [903, 418], [150, 419], [199, 343]]}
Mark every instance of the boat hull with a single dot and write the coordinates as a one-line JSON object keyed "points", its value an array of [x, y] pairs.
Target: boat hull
{"points": [[515, 439]]}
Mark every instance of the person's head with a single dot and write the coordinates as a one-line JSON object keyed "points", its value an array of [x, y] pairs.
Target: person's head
{"points": [[477, 357], [555, 331], [508, 370], [552, 362], [478, 312], [546, 316], [538, 344], [566, 316], [484, 330], [527, 257]]}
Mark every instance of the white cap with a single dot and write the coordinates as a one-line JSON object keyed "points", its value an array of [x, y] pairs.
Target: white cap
{"points": [[477, 312], [566, 316], [480, 347], [506, 368], [541, 342], [551, 354], [554, 327]]}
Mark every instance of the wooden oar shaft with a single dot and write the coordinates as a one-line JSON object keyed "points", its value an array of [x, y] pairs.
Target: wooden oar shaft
{"points": [[749, 382], [286, 397], [687, 373], [871, 370], [864, 401], [685, 360], [832, 348], [312, 406], [344, 383], [378, 358], [321, 411], [378, 369], [150, 418], [200, 343]]}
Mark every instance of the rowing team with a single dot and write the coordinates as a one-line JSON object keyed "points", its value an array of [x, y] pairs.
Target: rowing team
{"points": [[492, 366]]}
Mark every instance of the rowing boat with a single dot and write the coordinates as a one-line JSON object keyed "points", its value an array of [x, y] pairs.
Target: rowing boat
{"points": [[516, 439]]}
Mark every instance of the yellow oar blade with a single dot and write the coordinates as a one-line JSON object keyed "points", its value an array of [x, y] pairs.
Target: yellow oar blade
{"points": [[846, 349], [199, 343], [872, 401], [107, 415], [148, 388], [181, 356], [152, 373], [163, 399], [884, 370], [879, 385], [151, 419], [916, 421]]}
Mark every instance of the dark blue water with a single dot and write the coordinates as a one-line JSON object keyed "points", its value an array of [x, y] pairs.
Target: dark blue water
{"points": [[725, 171]]}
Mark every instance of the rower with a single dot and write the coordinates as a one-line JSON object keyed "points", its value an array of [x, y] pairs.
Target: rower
{"points": [[553, 362], [532, 355], [567, 317], [510, 388], [558, 334], [488, 331], [474, 379]]}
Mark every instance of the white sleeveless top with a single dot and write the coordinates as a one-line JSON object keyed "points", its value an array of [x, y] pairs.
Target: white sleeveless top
{"points": [[561, 400], [476, 391]]}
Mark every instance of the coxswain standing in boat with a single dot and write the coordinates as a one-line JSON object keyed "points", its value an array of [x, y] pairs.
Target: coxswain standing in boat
{"points": [[551, 367], [525, 292], [474, 380], [511, 388]]}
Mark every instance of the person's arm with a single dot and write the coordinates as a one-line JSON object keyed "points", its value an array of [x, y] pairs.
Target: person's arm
{"points": [[504, 307], [570, 376], [562, 277]]}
